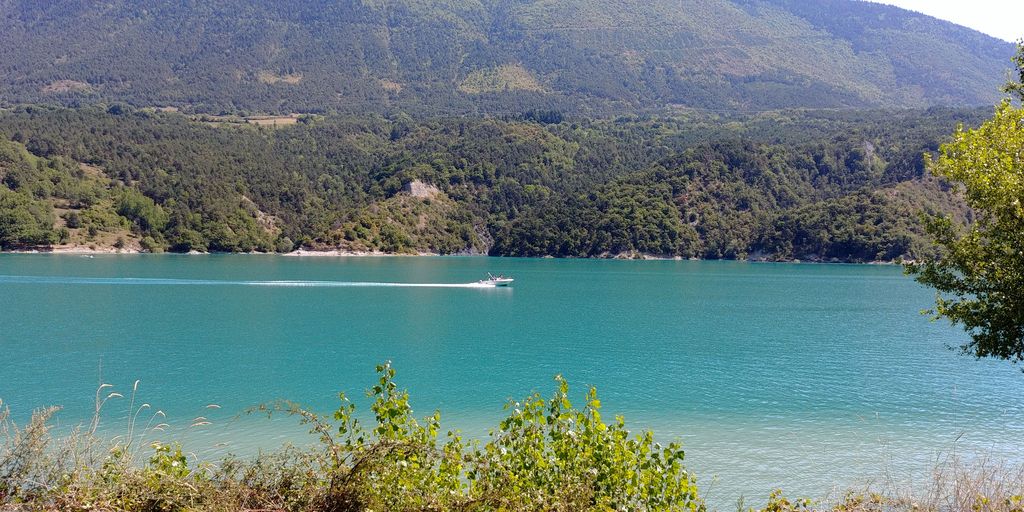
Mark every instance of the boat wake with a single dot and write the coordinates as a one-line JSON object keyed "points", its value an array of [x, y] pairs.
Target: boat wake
{"points": [[148, 281]]}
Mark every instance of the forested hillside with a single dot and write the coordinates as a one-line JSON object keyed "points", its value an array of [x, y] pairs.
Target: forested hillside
{"points": [[490, 56], [825, 185]]}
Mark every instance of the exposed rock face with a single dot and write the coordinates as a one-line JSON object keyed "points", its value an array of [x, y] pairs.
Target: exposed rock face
{"points": [[417, 188]]}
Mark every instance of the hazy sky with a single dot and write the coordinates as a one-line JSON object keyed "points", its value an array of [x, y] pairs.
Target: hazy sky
{"points": [[1000, 18]]}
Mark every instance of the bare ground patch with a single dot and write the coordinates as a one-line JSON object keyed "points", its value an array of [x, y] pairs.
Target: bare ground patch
{"points": [[273, 120], [390, 86], [267, 77], [507, 77], [62, 86]]}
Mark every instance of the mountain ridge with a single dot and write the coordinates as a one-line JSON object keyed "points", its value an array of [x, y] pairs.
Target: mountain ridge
{"points": [[491, 56]]}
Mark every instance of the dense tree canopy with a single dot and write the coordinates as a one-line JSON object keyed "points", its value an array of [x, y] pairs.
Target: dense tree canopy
{"points": [[783, 185], [980, 278]]}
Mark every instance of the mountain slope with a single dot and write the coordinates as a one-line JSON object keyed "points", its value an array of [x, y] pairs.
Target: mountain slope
{"points": [[811, 185], [490, 56]]}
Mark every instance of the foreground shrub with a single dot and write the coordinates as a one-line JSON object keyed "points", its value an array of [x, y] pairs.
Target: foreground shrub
{"points": [[545, 455]]}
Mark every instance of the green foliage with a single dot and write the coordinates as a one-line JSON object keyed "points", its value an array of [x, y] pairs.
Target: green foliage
{"points": [[147, 216], [778, 502], [73, 220], [862, 227], [150, 245], [171, 485], [546, 455], [99, 217], [980, 278], [546, 452], [187, 240], [404, 224], [284, 245], [1016, 87], [24, 222], [51, 200], [809, 185]]}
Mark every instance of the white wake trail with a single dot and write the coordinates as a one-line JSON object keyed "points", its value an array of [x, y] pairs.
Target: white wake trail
{"points": [[149, 281]]}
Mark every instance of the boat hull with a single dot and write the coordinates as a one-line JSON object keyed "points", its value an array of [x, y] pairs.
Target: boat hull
{"points": [[500, 282]]}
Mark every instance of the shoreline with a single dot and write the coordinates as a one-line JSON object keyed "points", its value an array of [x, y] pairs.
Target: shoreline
{"points": [[340, 253], [73, 250], [79, 250]]}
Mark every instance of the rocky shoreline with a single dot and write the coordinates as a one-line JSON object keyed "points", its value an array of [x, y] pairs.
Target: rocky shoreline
{"points": [[342, 253]]}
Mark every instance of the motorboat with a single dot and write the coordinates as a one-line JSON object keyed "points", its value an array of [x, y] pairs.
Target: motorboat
{"points": [[495, 280]]}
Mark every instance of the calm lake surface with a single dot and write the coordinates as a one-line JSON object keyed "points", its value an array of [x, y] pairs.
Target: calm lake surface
{"points": [[799, 376]]}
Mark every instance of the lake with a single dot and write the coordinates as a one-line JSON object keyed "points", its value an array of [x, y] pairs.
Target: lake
{"points": [[801, 376]]}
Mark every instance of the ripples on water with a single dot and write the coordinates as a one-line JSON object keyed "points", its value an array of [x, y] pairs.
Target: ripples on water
{"points": [[774, 375]]}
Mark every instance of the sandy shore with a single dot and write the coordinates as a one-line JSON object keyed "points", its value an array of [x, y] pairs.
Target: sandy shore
{"points": [[339, 253], [343, 253], [86, 250], [76, 249]]}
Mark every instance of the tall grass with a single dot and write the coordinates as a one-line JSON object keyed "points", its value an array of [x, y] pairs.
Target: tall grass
{"points": [[955, 484]]}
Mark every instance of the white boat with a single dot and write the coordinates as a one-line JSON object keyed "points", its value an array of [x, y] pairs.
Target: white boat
{"points": [[495, 280]]}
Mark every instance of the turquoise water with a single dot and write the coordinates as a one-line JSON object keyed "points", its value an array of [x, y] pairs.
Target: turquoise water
{"points": [[806, 377]]}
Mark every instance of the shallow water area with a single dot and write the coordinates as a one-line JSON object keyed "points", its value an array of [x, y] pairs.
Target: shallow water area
{"points": [[799, 376]]}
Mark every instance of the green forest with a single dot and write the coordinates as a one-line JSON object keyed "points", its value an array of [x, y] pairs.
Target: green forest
{"points": [[762, 129], [809, 185]]}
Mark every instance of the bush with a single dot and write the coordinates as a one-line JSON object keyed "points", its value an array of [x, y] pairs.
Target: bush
{"points": [[150, 245], [74, 220], [146, 215], [24, 222], [284, 245], [546, 455]]}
